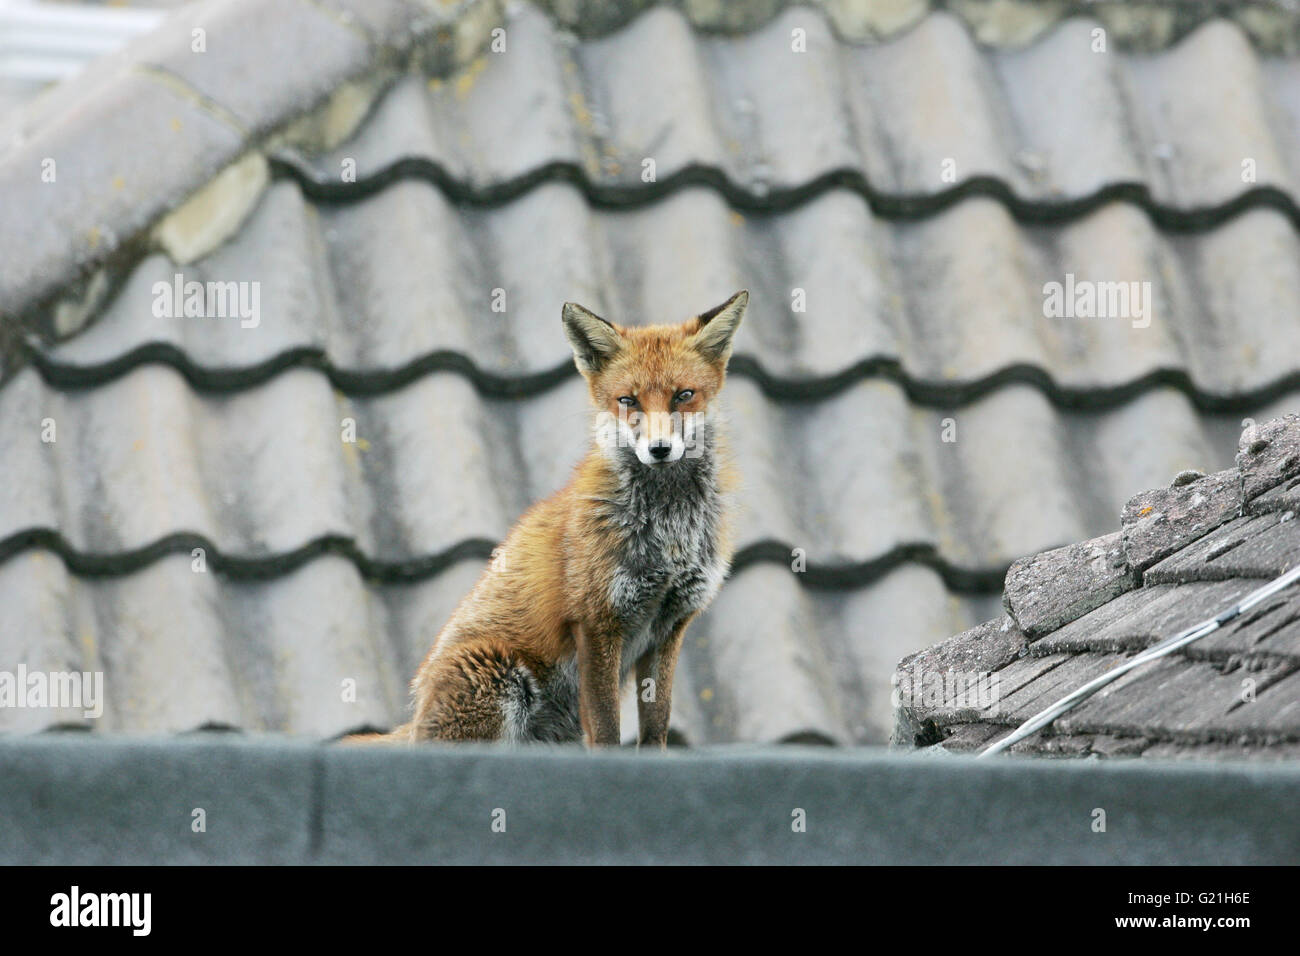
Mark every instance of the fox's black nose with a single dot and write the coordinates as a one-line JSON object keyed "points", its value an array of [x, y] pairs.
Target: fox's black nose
{"points": [[659, 450]]}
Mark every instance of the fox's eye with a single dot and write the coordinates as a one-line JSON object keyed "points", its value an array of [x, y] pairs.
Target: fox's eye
{"points": [[627, 400], [685, 395]]}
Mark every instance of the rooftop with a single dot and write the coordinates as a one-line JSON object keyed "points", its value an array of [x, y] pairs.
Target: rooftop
{"points": [[267, 800], [202, 530]]}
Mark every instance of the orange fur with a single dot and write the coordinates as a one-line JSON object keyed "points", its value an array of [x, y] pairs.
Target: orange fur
{"points": [[545, 598]]}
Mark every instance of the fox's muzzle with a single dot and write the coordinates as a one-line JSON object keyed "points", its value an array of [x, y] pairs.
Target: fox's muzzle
{"points": [[657, 438]]}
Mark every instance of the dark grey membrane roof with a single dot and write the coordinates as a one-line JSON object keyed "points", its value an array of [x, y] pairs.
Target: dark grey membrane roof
{"points": [[1186, 554], [326, 560], [267, 800]]}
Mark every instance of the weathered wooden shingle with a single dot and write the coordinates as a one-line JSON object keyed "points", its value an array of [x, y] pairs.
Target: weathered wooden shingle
{"points": [[1164, 520], [1250, 547], [1269, 455], [1051, 589], [1232, 693]]}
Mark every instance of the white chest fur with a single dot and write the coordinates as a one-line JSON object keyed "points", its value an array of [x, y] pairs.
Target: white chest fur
{"points": [[666, 575]]}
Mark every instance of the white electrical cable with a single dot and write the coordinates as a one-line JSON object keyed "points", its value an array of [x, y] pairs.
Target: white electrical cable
{"points": [[1168, 645]]}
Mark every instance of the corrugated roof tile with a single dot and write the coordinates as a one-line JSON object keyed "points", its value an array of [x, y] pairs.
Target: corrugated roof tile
{"points": [[917, 426], [913, 115], [408, 475], [356, 286]]}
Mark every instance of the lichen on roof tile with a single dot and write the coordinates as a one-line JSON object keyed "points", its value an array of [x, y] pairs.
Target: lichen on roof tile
{"points": [[1048, 590], [1269, 455], [1158, 522]]}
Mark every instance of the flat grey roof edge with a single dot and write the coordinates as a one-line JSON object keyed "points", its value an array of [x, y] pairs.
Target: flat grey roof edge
{"points": [[241, 800]]}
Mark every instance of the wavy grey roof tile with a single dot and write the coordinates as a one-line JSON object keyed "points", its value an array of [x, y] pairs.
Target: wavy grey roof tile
{"points": [[329, 561], [1137, 24], [356, 284], [912, 116], [1276, 709], [265, 473], [319, 651]]}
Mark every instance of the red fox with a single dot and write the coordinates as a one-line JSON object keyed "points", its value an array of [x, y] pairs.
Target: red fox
{"points": [[607, 573]]}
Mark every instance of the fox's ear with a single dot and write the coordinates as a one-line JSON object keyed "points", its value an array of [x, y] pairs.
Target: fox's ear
{"points": [[594, 340], [718, 327]]}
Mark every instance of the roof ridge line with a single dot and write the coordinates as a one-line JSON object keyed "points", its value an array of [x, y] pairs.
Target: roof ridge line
{"points": [[153, 88]]}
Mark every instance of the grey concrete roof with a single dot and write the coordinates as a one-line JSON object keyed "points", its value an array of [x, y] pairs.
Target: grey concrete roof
{"points": [[521, 170], [878, 118], [83, 802], [1186, 554]]}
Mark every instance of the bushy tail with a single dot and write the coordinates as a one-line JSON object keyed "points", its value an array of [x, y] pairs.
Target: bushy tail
{"points": [[398, 735]]}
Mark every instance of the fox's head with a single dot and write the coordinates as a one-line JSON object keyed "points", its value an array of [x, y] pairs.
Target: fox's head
{"points": [[653, 385]]}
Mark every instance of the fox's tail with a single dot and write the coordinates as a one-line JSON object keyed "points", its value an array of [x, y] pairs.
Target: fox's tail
{"points": [[398, 735]]}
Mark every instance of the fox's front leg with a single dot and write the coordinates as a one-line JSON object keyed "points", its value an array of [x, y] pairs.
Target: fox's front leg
{"points": [[599, 656], [654, 701]]}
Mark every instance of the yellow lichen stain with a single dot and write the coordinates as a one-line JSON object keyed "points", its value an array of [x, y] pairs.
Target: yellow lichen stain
{"points": [[466, 78], [176, 124], [736, 218], [936, 501], [581, 115], [88, 646], [93, 236], [706, 694], [137, 445], [119, 183], [435, 84], [352, 451], [1144, 512]]}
